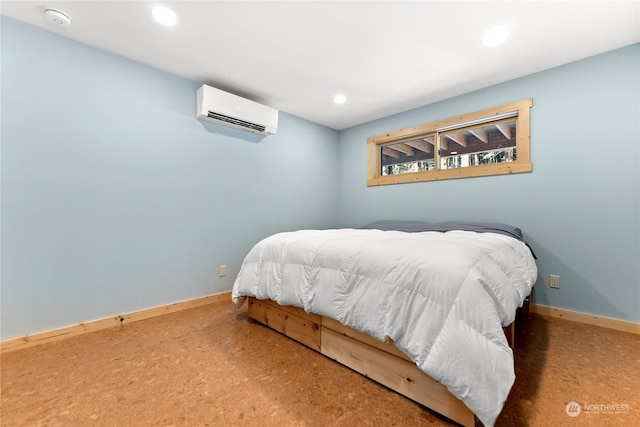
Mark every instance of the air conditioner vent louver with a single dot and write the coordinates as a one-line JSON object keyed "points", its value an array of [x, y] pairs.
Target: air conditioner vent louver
{"points": [[223, 108], [233, 120]]}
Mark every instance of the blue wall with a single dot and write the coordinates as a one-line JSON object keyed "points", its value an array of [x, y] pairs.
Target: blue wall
{"points": [[115, 198], [579, 207]]}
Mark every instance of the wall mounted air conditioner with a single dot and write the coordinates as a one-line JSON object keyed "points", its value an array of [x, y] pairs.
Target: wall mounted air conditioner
{"points": [[223, 108]]}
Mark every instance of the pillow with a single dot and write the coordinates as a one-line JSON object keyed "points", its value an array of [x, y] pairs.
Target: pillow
{"points": [[420, 226]]}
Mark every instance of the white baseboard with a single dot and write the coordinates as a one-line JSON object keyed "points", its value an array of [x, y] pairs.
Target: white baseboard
{"points": [[591, 319], [108, 322]]}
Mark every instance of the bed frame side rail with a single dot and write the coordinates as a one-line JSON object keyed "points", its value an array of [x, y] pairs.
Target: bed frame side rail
{"points": [[380, 361]]}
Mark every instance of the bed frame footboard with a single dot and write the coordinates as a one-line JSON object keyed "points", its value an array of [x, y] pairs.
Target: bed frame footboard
{"points": [[380, 361]]}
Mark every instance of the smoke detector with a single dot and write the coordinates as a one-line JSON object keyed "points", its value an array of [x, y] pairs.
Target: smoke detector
{"points": [[58, 18]]}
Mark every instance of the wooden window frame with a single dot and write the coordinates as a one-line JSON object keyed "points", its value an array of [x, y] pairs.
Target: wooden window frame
{"points": [[521, 165]]}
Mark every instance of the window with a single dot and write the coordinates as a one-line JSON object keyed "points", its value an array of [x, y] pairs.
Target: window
{"points": [[488, 142]]}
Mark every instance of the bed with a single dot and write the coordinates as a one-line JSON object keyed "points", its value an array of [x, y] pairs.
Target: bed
{"points": [[419, 307]]}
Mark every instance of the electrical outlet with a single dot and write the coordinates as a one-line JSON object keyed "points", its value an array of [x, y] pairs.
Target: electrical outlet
{"points": [[222, 270], [554, 281]]}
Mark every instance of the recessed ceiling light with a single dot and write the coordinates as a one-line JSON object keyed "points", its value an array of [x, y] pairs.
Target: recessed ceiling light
{"points": [[339, 99], [58, 18], [496, 36], [164, 15]]}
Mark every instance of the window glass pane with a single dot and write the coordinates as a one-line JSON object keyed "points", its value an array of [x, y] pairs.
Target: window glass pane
{"points": [[408, 156], [479, 145]]}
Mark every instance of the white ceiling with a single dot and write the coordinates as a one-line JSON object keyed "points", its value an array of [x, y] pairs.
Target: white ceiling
{"points": [[385, 56]]}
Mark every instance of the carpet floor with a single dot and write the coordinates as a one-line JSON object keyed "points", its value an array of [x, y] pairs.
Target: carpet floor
{"points": [[210, 366]]}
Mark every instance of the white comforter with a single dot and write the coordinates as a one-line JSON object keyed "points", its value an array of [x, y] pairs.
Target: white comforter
{"points": [[441, 297]]}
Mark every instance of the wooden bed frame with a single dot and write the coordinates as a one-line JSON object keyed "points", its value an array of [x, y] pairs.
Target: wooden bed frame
{"points": [[379, 361]]}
